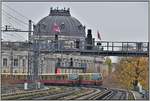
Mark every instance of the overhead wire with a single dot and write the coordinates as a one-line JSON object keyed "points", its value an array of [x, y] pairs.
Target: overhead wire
{"points": [[14, 17], [18, 12], [9, 20], [14, 34]]}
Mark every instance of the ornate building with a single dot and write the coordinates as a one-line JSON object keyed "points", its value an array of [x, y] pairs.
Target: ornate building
{"points": [[58, 25]]}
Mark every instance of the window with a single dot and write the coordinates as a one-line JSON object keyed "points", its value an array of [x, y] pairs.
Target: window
{"points": [[23, 62], [16, 71], [4, 71], [62, 26], [15, 62], [5, 62]]}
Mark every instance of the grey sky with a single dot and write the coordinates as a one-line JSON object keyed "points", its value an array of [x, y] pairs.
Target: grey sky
{"points": [[116, 21]]}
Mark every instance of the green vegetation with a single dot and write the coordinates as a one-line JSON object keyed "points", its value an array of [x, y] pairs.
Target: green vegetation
{"points": [[108, 62]]}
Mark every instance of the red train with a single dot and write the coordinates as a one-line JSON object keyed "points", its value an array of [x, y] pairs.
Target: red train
{"points": [[60, 79]]}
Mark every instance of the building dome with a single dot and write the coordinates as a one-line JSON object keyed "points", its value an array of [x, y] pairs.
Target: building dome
{"points": [[68, 25]]}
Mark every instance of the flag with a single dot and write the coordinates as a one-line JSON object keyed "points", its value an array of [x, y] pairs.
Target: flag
{"points": [[58, 71], [56, 28], [98, 35]]}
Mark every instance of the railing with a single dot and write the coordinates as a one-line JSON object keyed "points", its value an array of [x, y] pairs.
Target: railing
{"points": [[99, 46]]}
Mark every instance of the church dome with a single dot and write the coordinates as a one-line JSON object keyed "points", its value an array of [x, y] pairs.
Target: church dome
{"points": [[68, 25]]}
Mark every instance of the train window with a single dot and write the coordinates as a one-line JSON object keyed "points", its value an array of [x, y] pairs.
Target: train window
{"points": [[50, 77], [46, 77], [43, 77], [58, 77], [53, 77]]}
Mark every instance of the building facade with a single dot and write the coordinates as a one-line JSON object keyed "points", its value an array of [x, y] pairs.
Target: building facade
{"points": [[58, 26]]}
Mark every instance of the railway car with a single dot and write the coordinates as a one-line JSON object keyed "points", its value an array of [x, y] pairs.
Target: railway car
{"points": [[55, 79], [91, 79], [61, 79], [14, 78]]}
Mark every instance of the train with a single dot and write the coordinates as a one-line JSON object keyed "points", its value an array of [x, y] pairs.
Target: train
{"points": [[59, 79]]}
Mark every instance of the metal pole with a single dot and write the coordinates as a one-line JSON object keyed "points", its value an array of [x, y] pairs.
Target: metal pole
{"points": [[112, 46], [29, 68], [11, 58], [36, 59], [1, 38], [107, 46], [29, 71]]}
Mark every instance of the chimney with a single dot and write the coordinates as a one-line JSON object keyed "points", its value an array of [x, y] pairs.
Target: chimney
{"points": [[89, 39], [89, 31]]}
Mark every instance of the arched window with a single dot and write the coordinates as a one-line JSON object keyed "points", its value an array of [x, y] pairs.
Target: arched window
{"points": [[15, 62], [62, 26], [4, 61], [23, 62]]}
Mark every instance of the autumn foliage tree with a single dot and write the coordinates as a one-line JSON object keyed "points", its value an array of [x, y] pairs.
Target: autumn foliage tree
{"points": [[131, 71], [108, 62]]}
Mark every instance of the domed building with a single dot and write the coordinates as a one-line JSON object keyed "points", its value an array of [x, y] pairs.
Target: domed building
{"points": [[68, 25], [60, 25], [69, 33]]}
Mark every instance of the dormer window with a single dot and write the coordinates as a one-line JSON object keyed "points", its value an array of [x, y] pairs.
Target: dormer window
{"points": [[62, 26], [43, 26], [80, 27]]}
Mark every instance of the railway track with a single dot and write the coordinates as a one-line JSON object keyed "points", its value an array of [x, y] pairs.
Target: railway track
{"points": [[58, 95], [73, 93], [105, 94], [123, 96], [77, 94], [131, 96], [89, 95], [30, 94]]}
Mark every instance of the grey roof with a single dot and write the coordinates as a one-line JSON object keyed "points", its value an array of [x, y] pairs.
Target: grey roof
{"points": [[69, 26]]}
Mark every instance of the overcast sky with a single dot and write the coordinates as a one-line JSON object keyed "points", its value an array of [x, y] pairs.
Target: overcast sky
{"points": [[116, 21]]}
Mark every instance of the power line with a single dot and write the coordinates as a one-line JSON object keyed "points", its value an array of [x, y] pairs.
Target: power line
{"points": [[9, 22], [14, 17], [14, 34], [17, 12], [10, 25]]}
